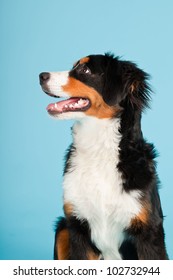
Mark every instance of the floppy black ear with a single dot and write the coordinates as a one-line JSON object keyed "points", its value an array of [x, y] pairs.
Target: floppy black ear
{"points": [[125, 81], [136, 85]]}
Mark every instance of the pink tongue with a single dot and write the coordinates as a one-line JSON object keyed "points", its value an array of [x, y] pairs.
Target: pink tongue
{"points": [[58, 106]]}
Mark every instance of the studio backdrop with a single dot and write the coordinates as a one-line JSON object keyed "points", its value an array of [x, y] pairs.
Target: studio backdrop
{"points": [[41, 35]]}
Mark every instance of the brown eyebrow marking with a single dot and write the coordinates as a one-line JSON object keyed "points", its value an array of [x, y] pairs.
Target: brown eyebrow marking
{"points": [[84, 60], [81, 61]]}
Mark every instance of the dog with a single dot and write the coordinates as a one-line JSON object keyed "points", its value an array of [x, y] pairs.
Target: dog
{"points": [[111, 201]]}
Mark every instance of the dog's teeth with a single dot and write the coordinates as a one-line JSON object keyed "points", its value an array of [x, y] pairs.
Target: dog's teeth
{"points": [[56, 106], [66, 106], [80, 102], [76, 104]]}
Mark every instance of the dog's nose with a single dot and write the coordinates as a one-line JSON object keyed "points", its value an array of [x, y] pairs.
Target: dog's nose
{"points": [[44, 77]]}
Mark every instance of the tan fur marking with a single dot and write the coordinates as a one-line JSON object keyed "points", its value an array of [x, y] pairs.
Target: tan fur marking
{"points": [[98, 107], [92, 256], [134, 87], [84, 60], [142, 218], [68, 209], [63, 245]]}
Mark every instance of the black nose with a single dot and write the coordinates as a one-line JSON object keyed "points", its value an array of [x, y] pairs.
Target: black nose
{"points": [[44, 77]]}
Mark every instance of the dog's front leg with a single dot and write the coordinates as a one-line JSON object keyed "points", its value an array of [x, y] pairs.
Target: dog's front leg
{"points": [[150, 244], [73, 242]]}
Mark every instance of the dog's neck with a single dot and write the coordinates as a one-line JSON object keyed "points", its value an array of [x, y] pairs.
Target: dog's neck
{"points": [[90, 133], [107, 133]]}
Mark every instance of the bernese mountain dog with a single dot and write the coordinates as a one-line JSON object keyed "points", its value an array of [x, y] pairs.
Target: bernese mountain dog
{"points": [[111, 201]]}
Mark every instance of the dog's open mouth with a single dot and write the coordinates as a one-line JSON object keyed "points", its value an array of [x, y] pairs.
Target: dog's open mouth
{"points": [[73, 104]]}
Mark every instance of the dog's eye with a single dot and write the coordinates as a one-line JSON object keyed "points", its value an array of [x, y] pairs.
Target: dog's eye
{"points": [[86, 70]]}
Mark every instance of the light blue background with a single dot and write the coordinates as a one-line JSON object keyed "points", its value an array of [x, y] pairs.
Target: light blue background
{"points": [[42, 35]]}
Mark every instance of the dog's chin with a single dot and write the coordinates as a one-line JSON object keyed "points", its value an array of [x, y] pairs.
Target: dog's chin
{"points": [[69, 116]]}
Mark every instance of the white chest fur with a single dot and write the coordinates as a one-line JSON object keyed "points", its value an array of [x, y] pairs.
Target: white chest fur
{"points": [[94, 187]]}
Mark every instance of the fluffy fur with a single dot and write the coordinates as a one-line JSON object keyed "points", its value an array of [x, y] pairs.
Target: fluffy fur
{"points": [[111, 201]]}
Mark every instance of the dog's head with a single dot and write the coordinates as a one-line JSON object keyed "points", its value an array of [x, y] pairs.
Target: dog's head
{"points": [[101, 86]]}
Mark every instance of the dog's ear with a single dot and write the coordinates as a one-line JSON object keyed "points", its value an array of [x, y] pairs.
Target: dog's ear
{"points": [[124, 81], [136, 86]]}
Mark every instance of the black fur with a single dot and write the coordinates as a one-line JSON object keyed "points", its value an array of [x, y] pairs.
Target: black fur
{"points": [[69, 153], [124, 85]]}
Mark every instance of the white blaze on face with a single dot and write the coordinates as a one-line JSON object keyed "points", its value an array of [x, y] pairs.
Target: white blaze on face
{"points": [[55, 83]]}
